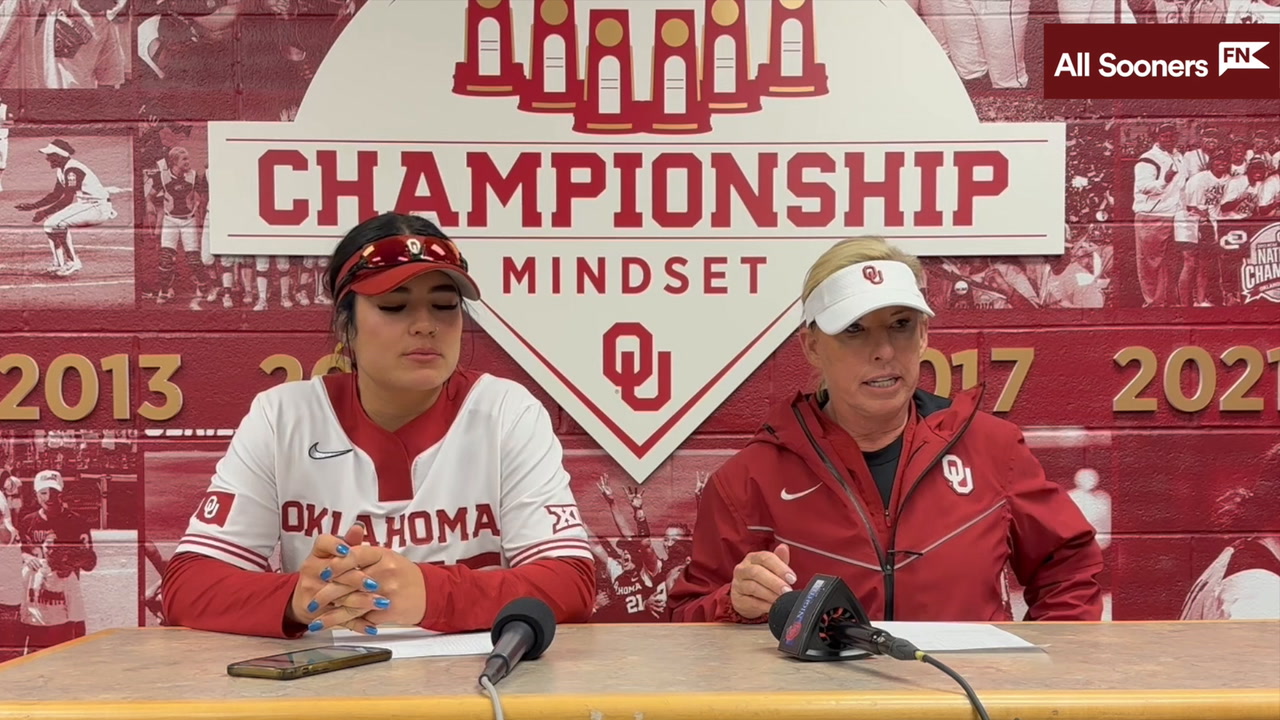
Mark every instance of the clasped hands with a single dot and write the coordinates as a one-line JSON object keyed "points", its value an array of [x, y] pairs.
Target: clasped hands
{"points": [[344, 583]]}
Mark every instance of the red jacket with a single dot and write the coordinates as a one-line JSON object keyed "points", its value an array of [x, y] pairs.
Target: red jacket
{"points": [[968, 498]]}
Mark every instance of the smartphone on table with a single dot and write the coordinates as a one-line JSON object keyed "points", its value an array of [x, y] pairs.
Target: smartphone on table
{"points": [[311, 661]]}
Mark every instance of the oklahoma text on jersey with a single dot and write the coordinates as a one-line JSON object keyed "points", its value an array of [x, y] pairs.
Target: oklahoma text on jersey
{"points": [[452, 507]]}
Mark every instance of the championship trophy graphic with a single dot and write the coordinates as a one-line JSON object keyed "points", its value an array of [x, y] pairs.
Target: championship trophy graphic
{"points": [[793, 69], [609, 104], [591, 75], [727, 85], [553, 85], [677, 105], [490, 67]]}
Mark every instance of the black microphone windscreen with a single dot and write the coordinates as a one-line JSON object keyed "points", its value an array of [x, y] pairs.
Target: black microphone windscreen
{"points": [[781, 610], [535, 613]]}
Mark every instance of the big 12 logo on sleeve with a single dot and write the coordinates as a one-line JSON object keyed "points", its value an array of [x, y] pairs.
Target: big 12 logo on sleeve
{"points": [[641, 185]]}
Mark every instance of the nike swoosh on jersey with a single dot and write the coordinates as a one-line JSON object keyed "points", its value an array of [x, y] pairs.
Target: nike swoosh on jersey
{"points": [[317, 454], [792, 496]]}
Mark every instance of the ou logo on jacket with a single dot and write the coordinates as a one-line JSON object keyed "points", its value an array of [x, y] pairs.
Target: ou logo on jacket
{"points": [[211, 508], [959, 477]]}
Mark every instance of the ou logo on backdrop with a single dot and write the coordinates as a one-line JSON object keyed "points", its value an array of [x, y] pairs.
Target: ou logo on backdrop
{"points": [[629, 370], [958, 476]]}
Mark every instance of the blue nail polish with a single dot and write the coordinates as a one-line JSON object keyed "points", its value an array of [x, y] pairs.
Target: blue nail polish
{"points": [[371, 630], [314, 606], [343, 550], [370, 584], [382, 603], [316, 626], [326, 574]]}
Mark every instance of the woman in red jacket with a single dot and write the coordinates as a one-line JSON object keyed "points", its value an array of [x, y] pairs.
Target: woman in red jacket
{"points": [[409, 491], [918, 502]]}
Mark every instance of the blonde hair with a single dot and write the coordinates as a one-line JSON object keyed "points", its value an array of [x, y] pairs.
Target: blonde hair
{"points": [[850, 252]]}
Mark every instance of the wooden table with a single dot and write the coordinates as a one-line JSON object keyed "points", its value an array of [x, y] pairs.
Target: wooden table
{"points": [[1086, 671]]}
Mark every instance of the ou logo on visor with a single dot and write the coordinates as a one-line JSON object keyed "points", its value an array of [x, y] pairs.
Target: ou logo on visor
{"points": [[629, 370], [873, 274]]}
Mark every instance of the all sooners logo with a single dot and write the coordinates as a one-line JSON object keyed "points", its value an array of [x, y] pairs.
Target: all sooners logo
{"points": [[638, 199]]}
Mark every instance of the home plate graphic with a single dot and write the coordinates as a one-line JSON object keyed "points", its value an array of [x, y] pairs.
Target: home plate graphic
{"points": [[640, 186]]}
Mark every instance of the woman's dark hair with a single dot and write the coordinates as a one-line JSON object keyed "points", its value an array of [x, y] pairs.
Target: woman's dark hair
{"points": [[372, 230]]}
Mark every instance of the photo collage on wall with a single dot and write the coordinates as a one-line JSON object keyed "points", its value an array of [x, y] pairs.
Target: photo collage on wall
{"points": [[131, 352]]}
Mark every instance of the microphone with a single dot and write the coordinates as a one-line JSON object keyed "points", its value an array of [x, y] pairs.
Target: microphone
{"points": [[840, 629], [523, 631], [825, 621]]}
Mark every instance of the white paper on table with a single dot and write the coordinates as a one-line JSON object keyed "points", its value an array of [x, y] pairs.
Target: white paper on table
{"points": [[938, 637], [410, 642]]}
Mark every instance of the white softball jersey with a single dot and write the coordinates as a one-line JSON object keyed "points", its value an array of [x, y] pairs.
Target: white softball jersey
{"points": [[477, 480]]}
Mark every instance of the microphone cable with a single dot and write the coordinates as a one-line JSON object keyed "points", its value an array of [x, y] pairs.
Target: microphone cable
{"points": [[853, 630], [928, 659], [882, 643], [492, 691]]}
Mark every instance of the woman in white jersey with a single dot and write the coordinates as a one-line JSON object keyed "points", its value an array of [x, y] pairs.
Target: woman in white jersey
{"points": [[407, 492]]}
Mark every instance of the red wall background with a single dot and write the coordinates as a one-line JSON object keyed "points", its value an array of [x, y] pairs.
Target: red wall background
{"points": [[132, 399]]}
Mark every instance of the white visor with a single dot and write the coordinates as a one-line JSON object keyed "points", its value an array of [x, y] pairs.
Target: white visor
{"points": [[859, 289], [52, 149], [48, 480]]}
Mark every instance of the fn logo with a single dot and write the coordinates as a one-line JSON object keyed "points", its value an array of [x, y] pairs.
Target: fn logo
{"points": [[1240, 55]]}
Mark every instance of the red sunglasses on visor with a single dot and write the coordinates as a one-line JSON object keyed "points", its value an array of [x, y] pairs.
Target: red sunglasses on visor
{"points": [[388, 263]]}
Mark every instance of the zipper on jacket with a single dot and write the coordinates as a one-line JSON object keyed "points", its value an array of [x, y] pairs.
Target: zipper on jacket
{"points": [[885, 560], [893, 529]]}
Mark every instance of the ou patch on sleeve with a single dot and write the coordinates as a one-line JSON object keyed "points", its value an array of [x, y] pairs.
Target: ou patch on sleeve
{"points": [[215, 508]]}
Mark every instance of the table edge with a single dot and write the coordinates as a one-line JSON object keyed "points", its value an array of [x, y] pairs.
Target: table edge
{"points": [[1236, 704], [60, 647]]}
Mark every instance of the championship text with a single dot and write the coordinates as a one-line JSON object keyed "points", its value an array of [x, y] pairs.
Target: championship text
{"points": [[590, 192]]}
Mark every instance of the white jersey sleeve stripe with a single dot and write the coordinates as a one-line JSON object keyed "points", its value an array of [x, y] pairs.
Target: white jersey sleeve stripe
{"points": [[567, 547], [229, 546], [538, 506], [224, 551], [239, 515]]}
